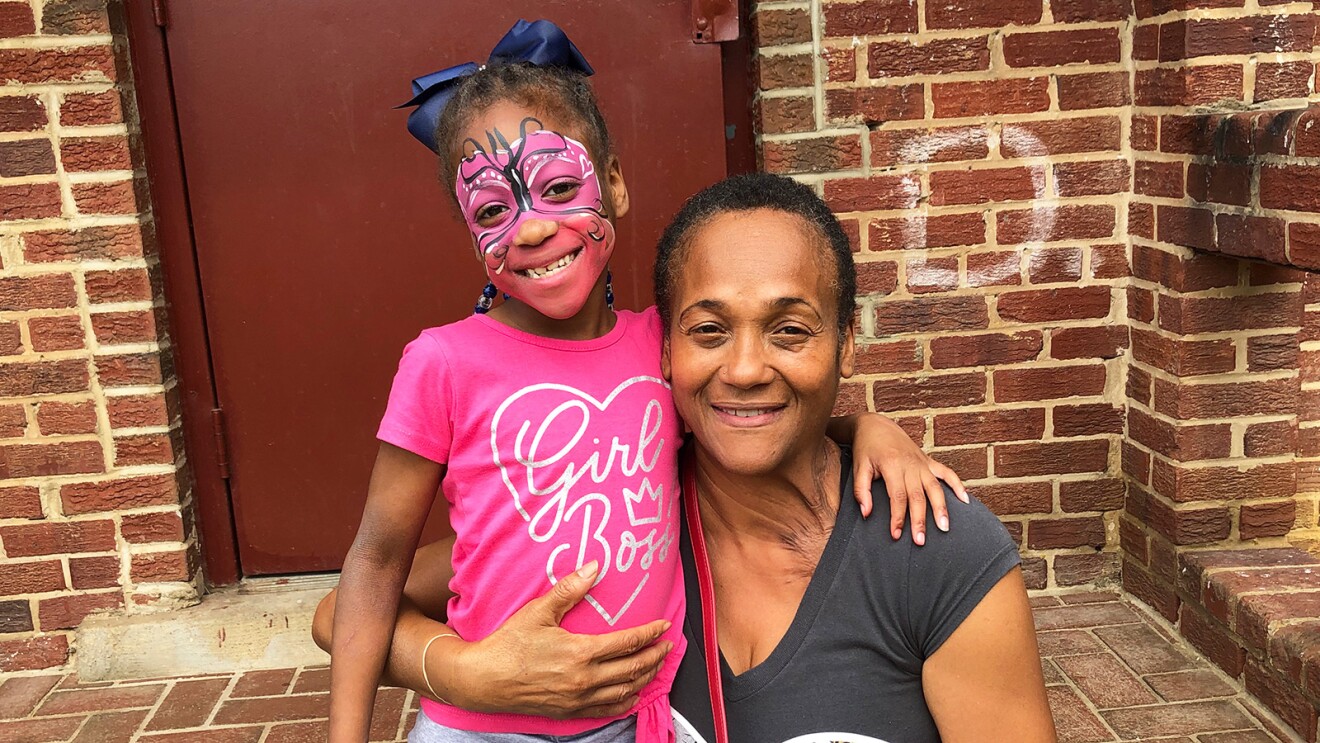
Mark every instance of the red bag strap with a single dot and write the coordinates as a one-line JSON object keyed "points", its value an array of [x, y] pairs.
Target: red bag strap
{"points": [[706, 588]]}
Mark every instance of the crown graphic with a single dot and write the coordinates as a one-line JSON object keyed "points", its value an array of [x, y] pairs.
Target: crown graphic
{"points": [[646, 504]]}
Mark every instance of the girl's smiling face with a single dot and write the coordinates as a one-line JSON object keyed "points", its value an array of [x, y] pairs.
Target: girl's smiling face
{"points": [[538, 208]]}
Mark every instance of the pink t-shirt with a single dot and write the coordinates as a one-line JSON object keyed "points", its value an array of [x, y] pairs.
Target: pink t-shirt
{"points": [[557, 453]]}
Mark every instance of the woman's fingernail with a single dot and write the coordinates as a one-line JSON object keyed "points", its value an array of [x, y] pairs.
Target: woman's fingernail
{"points": [[920, 539], [943, 521], [666, 626], [588, 570], [965, 496]]}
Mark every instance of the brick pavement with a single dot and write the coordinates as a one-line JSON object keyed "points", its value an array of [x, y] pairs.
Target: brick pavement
{"points": [[1113, 673]]}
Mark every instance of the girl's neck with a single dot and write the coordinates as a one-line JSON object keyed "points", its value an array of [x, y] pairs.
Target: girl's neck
{"points": [[794, 503], [594, 320]]}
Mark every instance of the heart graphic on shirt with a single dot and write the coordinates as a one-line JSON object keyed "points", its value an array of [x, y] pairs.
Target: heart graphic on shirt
{"points": [[556, 448]]}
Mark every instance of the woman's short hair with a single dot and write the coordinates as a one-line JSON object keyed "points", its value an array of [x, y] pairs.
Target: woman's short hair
{"points": [[741, 193]]}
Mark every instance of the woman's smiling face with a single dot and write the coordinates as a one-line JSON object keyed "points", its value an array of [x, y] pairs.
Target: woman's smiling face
{"points": [[753, 350]]}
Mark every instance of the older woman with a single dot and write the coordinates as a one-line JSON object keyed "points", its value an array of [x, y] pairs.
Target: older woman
{"points": [[828, 630]]}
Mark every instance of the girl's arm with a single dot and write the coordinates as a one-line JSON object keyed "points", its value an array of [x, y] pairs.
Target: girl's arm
{"points": [[911, 477], [984, 684], [403, 486], [530, 665]]}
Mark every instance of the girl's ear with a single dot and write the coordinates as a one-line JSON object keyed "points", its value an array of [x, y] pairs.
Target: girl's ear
{"points": [[664, 360], [618, 189]]}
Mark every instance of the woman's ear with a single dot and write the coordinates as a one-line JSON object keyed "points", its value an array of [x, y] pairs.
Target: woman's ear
{"points": [[618, 189], [847, 353], [664, 360]]}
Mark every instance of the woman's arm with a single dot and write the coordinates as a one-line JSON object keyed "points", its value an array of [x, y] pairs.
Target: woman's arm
{"points": [[530, 665], [403, 486], [911, 478], [984, 684]]}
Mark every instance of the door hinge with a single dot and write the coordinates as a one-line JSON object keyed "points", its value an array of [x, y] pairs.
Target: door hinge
{"points": [[221, 448], [714, 21], [158, 12]]}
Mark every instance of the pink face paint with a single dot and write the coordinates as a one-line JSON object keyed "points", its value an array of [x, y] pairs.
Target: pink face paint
{"points": [[548, 180]]}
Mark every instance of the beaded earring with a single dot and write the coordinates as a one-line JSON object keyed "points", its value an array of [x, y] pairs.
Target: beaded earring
{"points": [[609, 289], [486, 299]]}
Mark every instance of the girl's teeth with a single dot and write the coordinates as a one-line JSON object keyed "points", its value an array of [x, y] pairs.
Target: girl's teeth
{"points": [[544, 271]]}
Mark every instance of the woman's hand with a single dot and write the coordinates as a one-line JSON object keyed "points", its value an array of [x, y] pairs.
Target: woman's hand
{"points": [[531, 665], [911, 478]]}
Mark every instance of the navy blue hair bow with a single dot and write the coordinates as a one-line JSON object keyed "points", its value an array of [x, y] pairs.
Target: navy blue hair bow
{"points": [[540, 43]]}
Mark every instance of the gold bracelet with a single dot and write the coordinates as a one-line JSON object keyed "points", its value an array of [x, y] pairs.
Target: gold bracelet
{"points": [[425, 676]]}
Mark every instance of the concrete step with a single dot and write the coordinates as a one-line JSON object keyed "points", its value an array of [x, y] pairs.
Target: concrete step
{"points": [[264, 623]]}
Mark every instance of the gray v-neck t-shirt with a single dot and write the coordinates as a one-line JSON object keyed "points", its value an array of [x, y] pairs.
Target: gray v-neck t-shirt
{"points": [[849, 668]]}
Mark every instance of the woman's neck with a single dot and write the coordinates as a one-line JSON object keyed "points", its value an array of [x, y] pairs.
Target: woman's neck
{"points": [[795, 502]]}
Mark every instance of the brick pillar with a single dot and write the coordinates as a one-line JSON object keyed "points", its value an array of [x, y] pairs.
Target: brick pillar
{"points": [[93, 510]]}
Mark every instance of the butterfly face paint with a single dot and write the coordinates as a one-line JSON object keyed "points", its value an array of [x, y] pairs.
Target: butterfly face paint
{"points": [[543, 175]]}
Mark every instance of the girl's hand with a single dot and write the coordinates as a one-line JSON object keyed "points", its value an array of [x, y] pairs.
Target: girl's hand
{"points": [[530, 665], [911, 477]]}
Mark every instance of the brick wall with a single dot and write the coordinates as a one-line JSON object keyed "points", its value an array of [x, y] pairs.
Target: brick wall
{"points": [[91, 481]]}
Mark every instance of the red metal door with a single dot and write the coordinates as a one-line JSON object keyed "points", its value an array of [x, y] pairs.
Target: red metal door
{"points": [[324, 242]]}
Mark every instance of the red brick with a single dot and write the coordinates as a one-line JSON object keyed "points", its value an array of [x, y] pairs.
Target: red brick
{"points": [[1188, 86], [865, 194], [840, 67], [19, 578], [922, 231], [880, 358], [1061, 136], [934, 57], [971, 463], [1070, 222], [94, 572], [11, 339], [1050, 458], [987, 97], [1091, 495], [982, 13], [56, 333], [13, 421], [1189, 227], [66, 418], [1185, 134], [979, 186], [1186, 484], [1183, 358], [108, 242], [29, 200], [1290, 187], [20, 502], [21, 113], [153, 567], [877, 277], [1011, 498], [137, 411], [67, 612], [145, 449], [63, 458], [775, 27], [188, 704], [997, 268], [1076, 570], [1141, 220], [1304, 244], [137, 326], [16, 20], [1081, 11], [870, 18], [934, 391], [876, 103], [1282, 698], [1249, 35], [1272, 352], [1022, 385], [37, 291], [1054, 265], [119, 494], [930, 314], [1222, 183], [1045, 305], [74, 17], [1194, 526], [1105, 342], [141, 528], [1229, 400], [945, 144], [954, 429], [1054, 48], [984, 350], [44, 66], [926, 274], [42, 651], [1093, 90], [784, 71], [1087, 420], [1062, 533], [1141, 305], [785, 115], [129, 370], [26, 157], [53, 538], [123, 285], [1158, 178], [1212, 639], [1091, 178], [1283, 80], [1192, 274], [815, 155], [91, 109], [95, 153], [1266, 519], [1270, 439], [1179, 442], [118, 197]]}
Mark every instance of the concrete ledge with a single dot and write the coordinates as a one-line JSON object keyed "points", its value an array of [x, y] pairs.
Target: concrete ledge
{"points": [[262, 625]]}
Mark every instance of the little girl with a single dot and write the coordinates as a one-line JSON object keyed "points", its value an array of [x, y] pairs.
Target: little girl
{"points": [[545, 419]]}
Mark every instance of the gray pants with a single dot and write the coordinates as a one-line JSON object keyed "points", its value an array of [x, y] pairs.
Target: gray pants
{"points": [[425, 730]]}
